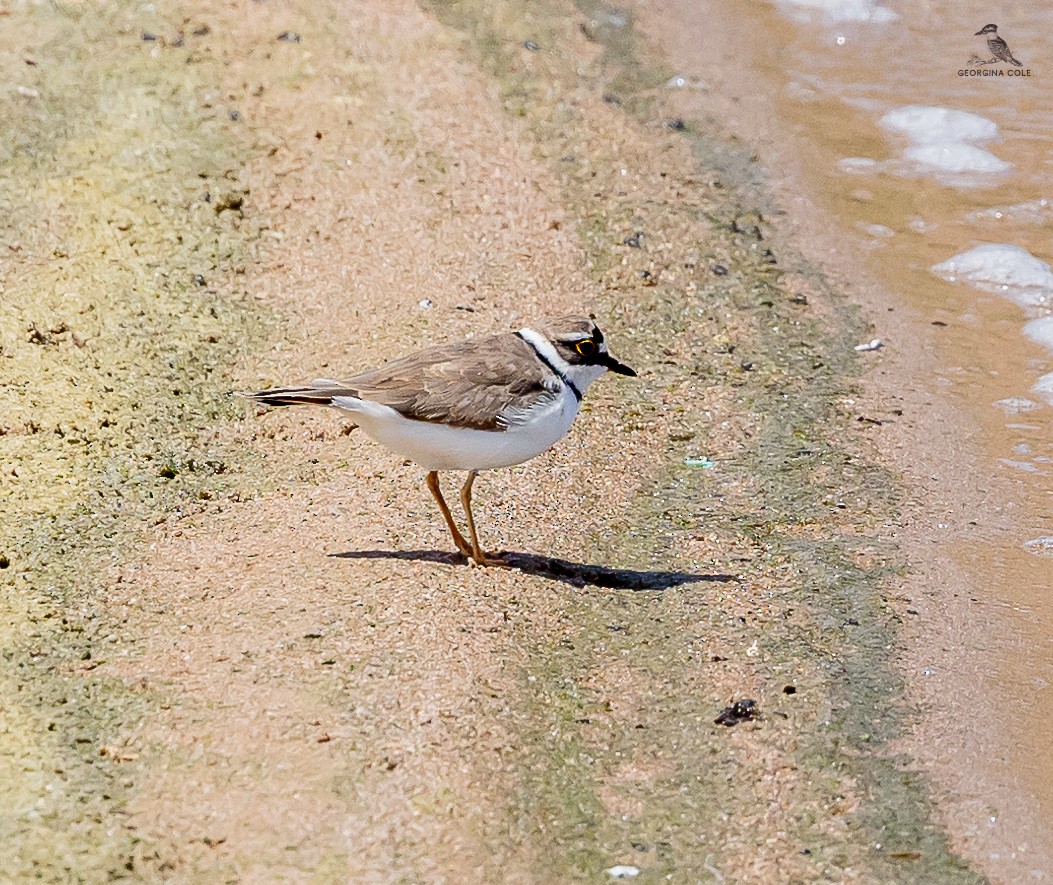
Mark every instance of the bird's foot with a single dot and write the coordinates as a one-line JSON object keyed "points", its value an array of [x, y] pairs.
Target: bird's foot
{"points": [[488, 560]]}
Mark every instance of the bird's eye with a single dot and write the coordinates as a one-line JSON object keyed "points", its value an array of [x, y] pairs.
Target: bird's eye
{"points": [[586, 347]]}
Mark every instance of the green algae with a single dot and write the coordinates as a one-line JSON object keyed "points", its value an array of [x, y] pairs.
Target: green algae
{"points": [[122, 313]]}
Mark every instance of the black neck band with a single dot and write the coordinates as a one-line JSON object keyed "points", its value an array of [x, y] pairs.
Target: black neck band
{"points": [[561, 375]]}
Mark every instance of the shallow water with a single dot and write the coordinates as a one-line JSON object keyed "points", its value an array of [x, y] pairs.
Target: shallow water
{"points": [[939, 174]]}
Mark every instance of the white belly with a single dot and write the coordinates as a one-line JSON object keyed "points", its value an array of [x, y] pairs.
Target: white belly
{"points": [[439, 447]]}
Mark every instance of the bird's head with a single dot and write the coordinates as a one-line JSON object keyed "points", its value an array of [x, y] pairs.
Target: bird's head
{"points": [[579, 344]]}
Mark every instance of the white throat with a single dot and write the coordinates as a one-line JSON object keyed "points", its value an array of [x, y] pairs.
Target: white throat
{"points": [[583, 376]]}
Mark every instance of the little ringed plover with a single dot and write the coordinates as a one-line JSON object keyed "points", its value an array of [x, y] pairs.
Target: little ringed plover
{"points": [[475, 405]]}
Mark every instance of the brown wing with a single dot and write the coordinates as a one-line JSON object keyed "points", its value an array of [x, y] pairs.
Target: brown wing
{"points": [[468, 384]]}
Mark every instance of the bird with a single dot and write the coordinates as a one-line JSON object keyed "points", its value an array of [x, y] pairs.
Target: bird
{"points": [[999, 48], [478, 404]]}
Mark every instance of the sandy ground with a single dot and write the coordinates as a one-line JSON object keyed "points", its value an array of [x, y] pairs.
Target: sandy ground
{"points": [[239, 647]]}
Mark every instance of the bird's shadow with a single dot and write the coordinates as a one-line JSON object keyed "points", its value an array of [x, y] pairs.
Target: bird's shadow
{"points": [[576, 574]]}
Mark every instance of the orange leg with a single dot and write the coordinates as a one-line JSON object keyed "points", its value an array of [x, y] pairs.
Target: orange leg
{"points": [[458, 538], [478, 557]]}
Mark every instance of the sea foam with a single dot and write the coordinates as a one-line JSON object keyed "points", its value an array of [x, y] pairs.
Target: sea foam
{"points": [[843, 10], [1002, 268], [944, 141]]}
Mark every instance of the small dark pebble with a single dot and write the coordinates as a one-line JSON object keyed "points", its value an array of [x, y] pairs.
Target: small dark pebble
{"points": [[633, 242], [799, 299], [234, 115], [939, 323], [676, 124], [789, 689], [740, 711], [746, 365], [289, 37], [720, 270], [199, 280], [168, 471], [851, 622], [229, 202], [202, 31], [147, 37], [4, 561], [910, 611], [531, 45], [611, 98]]}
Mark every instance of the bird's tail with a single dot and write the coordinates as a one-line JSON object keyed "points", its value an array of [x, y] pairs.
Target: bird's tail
{"points": [[1015, 62], [317, 393]]}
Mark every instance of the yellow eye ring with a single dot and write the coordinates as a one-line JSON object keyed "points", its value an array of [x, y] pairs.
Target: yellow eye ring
{"points": [[586, 347]]}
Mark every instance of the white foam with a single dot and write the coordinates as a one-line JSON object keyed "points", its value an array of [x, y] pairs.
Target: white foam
{"points": [[1015, 405], [844, 10], [1025, 466], [1044, 387], [857, 165], [920, 226], [1033, 212], [1040, 546], [1041, 331], [955, 158], [932, 125], [944, 141], [1002, 268]]}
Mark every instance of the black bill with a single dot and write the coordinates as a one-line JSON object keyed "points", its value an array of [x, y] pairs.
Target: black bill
{"points": [[605, 359]]}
